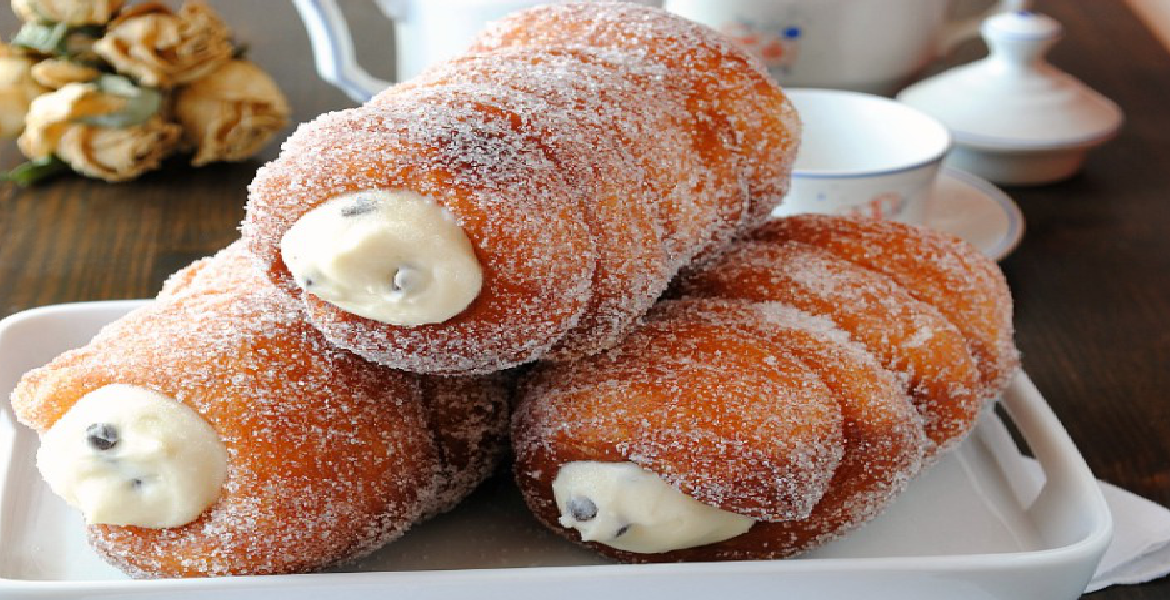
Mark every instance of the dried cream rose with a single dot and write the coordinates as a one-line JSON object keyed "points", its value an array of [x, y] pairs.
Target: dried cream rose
{"points": [[118, 154], [70, 12], [55, 73], [231, 113], [164, 49], [17, 90], [63, 123], [50, 114]]}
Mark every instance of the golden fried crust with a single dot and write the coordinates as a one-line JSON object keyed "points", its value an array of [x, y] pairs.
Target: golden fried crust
{"points": [[909, 337], [328, 456], [936, 268]]}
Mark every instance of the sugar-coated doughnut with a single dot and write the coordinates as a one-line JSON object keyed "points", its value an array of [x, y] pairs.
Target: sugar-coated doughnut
{"points": [[326, 455], [563, 171], [650, 451]]}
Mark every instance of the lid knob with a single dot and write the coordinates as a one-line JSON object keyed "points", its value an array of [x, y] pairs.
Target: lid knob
{"points": [[1020, 38]]}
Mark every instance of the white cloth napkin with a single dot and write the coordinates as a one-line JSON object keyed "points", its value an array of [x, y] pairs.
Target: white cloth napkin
{"points": [[1140, 550]]}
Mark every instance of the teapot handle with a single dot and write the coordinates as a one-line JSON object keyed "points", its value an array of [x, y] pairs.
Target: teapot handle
{"points": [[961, 31], [333, 52]]}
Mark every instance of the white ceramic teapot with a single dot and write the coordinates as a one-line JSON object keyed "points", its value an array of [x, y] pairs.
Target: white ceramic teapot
{"points": [[425, 32]]}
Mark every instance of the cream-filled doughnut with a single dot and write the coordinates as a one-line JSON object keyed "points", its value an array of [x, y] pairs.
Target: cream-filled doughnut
{"points": [[660, 435], [327, 456], [587, 153]]}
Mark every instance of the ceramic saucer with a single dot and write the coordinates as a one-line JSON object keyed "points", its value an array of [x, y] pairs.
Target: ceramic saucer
{"points": [[968, 207]]}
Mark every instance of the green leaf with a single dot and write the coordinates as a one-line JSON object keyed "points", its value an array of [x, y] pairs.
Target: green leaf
{"points": [[47, 38], [118, 85], [58, 39], [35, 171], [141, 103]]}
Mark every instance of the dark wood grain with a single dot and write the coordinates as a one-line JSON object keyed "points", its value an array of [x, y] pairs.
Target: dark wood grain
{"points": [[1091, 279]]}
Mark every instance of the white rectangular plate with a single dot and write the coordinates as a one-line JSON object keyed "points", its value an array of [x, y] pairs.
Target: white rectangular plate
{"points": [[976, 525]]}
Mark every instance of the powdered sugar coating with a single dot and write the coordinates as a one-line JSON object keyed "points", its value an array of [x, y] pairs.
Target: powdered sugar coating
{"points": [[585, 170], [908, 337], [937, 268], [729, 94]]}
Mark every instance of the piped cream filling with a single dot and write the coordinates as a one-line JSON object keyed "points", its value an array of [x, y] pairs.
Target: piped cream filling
{"points": [[395, 257], [629, 508], [126, 455]]}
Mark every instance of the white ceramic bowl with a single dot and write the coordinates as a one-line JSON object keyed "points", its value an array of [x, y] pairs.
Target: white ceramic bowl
{"points": [[863, 154]]}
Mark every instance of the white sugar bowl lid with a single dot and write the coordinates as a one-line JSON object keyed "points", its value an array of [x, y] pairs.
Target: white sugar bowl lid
{"points": [[1014, 101]]}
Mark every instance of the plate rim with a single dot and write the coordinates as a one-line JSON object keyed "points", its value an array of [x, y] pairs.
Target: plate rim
{"points": [[1039, 425], [1013, 236]]}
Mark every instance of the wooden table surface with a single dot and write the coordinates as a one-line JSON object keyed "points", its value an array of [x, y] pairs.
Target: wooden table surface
{"points": [[1091, 279]]}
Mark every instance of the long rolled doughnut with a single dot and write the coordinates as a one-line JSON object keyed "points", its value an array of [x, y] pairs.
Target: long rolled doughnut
{"points": [[305, 454], [587, 435], [583, 414], [572, 171]]}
